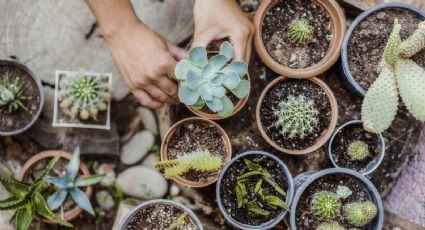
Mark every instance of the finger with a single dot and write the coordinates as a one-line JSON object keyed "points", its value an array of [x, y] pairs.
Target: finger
{"points": [[240, 44], [146, 100], [177, 52], [168, 86], [202, 39], [248, 49], [157, 94]]}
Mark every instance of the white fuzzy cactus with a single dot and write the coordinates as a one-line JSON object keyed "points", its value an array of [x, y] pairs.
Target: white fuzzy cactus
{"points": [[414, 43]]}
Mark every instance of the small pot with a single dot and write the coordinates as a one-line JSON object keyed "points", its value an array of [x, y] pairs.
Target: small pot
{"points": [[37, 80], [289, 193], [374, 164], [146, 204], [307, 178], [84, 170], [337, 18], [170, 133], [324, 136], [348, 79]]}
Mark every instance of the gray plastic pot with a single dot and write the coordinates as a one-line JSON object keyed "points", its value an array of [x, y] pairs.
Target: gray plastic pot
{"points": [[348, 79], [16, 63], [374, 164], [289, 193], [146, 204], [304, 180]]}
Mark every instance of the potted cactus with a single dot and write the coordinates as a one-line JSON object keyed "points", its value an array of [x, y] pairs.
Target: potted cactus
{"points": [[194, 151], [82, 100], [213, 88], [296, 116], [21, 97]]}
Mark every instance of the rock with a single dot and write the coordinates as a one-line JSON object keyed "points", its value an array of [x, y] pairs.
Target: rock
{"points": [[105, 200], [174, 190], [49, 100], [108, 171], [137, 147], [142, 182], [149, 119], [150, 160], [380, 15]]}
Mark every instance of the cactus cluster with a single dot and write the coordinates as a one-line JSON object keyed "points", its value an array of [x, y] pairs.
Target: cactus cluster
{"points": [[358, 150], [11, 94], [300, 32], [325, 205], [397, 75], [207, 82], [297, 116], [360, 213], [330, 226]]}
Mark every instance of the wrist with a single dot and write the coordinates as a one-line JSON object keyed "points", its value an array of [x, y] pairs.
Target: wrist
{"points": [[115, 27]]}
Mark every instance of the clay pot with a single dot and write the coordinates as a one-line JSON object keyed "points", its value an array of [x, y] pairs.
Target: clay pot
{"points": [[69, 215], [170, 133], [337, 18], [326, 134]]}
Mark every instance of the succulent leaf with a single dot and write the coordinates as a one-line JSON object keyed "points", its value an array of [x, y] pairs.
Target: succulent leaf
{"points": [[414, 43], [43, 210], [215, 104], [242, 89], [218, 61], [178, 222], [227, 50], [55, 200], [232, 80], [81, 199], [74, 165], [343, 192], [11, 94], [198, 56], [187, 95], [240, 67], [58, 181], [391, 51], [14, 186], [193, 80], [252, 207], [228, 106], [183, 67], [23, 218], [90, 180], [206, 92]]}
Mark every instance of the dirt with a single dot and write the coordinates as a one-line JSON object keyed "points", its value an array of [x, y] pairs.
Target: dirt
{"points": [[275, 33], [228, 192], [345, 137], [194, 136], [21, 117], [280, 92], [159, 217], [368, 40]]}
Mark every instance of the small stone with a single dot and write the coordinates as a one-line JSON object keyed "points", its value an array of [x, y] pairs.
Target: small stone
{"points": [[109, 174], [105, 200], [142, 182], [137, 147], [9, 122], [150, 160], [149, 119], [293, 58], [380, 15], [14, 149], [174, 190]]}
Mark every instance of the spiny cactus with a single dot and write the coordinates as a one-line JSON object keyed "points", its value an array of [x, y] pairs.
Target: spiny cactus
{"points": [[414, 43], [325, 205], [207, 82], [11, 94], [300, 31], [196, 160], [330, 226], [358, 150], [360, 213], [84, 95], [343, 192], [297, 116]]}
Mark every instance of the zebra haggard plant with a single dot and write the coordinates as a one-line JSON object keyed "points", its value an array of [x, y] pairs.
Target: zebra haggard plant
{"points": [[300, 32], [360, 213], [358, 150], [398, 74], [330, 226], [325, 205], [11, 94], [207, 82]]}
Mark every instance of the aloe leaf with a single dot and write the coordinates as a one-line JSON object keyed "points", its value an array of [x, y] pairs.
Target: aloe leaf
{"points": [[86, 181], [46, 170], [73, 165], [242, 89], [58, 181], [258, 186], [252, 207], [275, 201], [43, 210], [228, 106], [198, 55], [13, 203], [56, 199], [273, 183], [240, 193], [81, 199], [227, 50], [23, 218], [14, 186]]}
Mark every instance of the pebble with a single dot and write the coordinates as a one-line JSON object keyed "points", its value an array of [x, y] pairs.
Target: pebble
{"points": [[134, 150], [105, 200], [174, 190], [150, 160], [108, 171], [149, 119], [380, 15]]}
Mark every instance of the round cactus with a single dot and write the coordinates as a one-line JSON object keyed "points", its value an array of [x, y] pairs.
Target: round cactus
{"points": [[11, 94], [300, 32], [343, 191], [358, 150], [325, 205], [330, 226], [360, 213]]}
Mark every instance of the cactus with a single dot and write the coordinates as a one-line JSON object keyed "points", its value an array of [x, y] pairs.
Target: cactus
{"points": [[84, 95], [207, 82], [343, 192], [358, 150], [414, 43], [325, 205], [11, 94], [300, 32], [297, 116], [360, 213], [330, 226]]}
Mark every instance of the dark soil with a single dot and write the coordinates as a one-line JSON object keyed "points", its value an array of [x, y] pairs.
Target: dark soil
{"points": [[305, 218], [20, 118], [194, 136], [280, 92], [275, 33], [228, 192], [369, 39], [345, 137], [158, 217]]}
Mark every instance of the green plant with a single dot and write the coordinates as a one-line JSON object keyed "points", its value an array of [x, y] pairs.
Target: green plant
{"points": [[325, 205], [70, 184], [300, 32], [330, 226], [343, 192], [207, 82], [396, 70], [201, 160], [358, 150], [27, 200], [360, 213], [11, 94], [84, 95], [297, 116], [179, 222]]}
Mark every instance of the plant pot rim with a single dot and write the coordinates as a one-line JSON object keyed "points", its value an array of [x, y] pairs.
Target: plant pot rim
{"points": [[371, 190], [337, 18], [76, 211], [145, 204], [224, 137], [326, 134], [375, 162], [37, 80], [289, 193], [355, 87]]}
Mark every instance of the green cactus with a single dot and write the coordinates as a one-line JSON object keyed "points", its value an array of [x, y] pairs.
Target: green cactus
{"points": [[330, 226], [300, 32], [325, 205], [414, 43], [358, 150], [11, 94], [179, 222], [297, 116], [360, 213]]}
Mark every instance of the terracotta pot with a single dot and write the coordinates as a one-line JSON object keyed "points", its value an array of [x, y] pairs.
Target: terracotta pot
{"points": [[84, 170], [170, 133], [326, 134], [337, 18]]}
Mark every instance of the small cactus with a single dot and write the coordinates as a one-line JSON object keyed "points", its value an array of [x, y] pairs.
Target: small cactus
{"points": [[360, 213], [325, 205], [300, 32], [343, 192], [330, 226], [358, 150], [297, 116], [11, 95]]}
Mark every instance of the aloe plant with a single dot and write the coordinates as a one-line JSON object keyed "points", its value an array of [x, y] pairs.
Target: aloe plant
{"points": [[27, 200], [207, 82], [11, 94], [70, 184]]}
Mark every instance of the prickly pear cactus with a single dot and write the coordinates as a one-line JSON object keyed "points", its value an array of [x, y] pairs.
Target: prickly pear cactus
{"points": [[391, 52], [414, 43]]}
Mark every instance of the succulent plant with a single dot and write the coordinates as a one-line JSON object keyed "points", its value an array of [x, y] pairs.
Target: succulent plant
{"points": [[360, 213], [27, 200], [325, 205], [300, 31], [381, 101], [330, 226], [201, 160], [11, 94], [297, 116], [84, 95], [70, 184], [179, 222], [207, 82], [343, 192], [358, 150]]}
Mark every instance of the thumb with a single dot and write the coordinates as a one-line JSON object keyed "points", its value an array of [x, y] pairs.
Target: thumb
{"points": [[177, 52]]}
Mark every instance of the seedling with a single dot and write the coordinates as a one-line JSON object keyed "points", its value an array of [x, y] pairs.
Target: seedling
{"points": [[11, 94]]}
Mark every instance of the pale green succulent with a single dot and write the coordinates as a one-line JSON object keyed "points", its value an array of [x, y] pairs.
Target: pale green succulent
{"points": [[325, 205], [358, 150], [207, 82], [11, 94], [300, 32], [360, 213], [414, 43], [343, 192], [330, 226]]}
